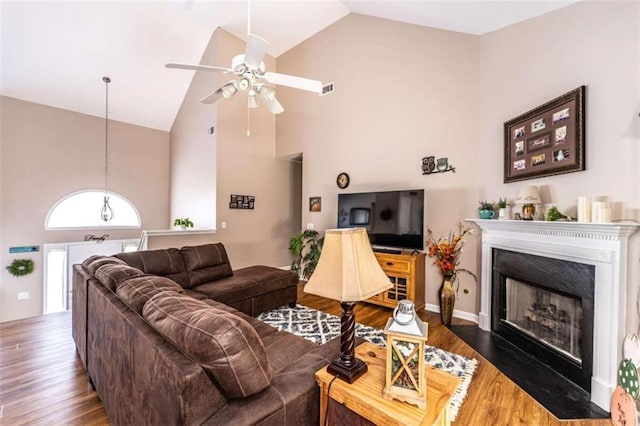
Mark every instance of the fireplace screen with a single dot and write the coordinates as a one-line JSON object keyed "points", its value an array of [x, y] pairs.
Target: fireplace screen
{"points": [[548, 317]]}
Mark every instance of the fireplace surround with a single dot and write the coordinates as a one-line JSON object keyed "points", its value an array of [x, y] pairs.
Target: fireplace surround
{"points": [[604, 247]]}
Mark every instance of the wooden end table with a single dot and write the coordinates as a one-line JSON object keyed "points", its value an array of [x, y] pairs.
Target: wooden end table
{"points": [[364, 396]]}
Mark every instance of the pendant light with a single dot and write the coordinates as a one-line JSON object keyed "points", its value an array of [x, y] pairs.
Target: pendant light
{"points": [[106, 214]]}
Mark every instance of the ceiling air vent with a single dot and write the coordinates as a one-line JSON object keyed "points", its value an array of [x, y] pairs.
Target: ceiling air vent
{"points": [[327, 88]]}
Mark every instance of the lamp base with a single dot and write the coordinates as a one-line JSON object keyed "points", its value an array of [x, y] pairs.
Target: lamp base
{"points": [[348, 373]]}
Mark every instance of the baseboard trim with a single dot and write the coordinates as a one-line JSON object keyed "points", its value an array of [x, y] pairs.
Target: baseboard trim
{"points": [[456, 313]]}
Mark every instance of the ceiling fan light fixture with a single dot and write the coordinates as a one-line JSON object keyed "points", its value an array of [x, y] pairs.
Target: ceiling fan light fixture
{"points": [[267, 92], [229, 89], [244, 83], [252, 101]]}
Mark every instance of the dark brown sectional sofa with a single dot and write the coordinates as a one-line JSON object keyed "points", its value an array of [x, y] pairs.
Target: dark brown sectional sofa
{"points": [[168, 337]]}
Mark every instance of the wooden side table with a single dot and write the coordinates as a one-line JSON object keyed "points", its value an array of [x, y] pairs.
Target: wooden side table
{"points": [[364, 396]]}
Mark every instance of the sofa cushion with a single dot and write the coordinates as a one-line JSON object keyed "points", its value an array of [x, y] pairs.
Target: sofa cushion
{"points": [[248, 282], [92, 263], [165, 263], [112, 273], [137, 291], [224, 344], [206, 263]]}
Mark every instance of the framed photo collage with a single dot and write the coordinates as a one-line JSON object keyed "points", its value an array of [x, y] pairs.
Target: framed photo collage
{"points": [[547, 140]]}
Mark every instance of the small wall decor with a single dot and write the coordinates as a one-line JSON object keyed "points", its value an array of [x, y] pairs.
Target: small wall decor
{"points": [[430, 165], [315, 204], [548, 140], [246, 202], [20, 267], [343, 180]]}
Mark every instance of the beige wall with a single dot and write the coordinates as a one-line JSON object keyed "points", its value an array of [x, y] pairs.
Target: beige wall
{"points": [[596, 44], [243, 165], [47, 153], [193, 150], [402, 92]]}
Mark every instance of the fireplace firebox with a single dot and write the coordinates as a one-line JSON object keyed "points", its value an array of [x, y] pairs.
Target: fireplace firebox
{"points": [[545, 306]]}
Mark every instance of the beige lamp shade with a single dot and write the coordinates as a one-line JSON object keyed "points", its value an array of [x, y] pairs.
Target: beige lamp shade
{"points": [[347, 269], [528, 195]]}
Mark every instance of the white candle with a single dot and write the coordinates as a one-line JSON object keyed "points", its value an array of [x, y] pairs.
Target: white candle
{"points": [[605, 216], [584, 209], [596, 211]]}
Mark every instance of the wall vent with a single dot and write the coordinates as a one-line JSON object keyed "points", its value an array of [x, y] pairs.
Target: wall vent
{"points": [[327, 88]]}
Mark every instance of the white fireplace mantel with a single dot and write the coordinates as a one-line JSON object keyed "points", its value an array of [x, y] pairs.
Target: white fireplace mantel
{"points": [[604, 245]]}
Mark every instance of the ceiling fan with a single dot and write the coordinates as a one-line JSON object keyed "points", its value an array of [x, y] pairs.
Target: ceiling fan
{"points": [[250, 71]]}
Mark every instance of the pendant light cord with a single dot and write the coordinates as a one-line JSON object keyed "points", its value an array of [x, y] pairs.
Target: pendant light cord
{"points": [[106, 80], [106, 214]]}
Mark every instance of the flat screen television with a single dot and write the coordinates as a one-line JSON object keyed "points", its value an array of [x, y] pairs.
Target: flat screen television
{"points": [[393, 219]]}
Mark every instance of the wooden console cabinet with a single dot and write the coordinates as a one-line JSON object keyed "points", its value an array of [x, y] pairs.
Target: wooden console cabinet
{"points": [[406, 272]]}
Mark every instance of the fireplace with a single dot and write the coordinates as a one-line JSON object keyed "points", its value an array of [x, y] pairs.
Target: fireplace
{"points": [[603, 251], [545, 307]]}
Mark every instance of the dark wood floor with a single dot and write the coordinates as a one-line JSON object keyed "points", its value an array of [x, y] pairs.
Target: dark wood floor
{"points": [[42, 381]]}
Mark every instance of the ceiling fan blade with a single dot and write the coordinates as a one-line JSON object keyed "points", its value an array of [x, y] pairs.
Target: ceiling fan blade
{"points": [[198, 67], [293, 81], [256, 49], [227, 91], [213, 96]]}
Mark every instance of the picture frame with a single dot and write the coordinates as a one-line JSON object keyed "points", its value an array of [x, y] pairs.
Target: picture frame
{"points": [[548, 140], [315, 204], [242, 202]]}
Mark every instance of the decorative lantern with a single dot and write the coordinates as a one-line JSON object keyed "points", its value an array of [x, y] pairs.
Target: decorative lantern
{"points": [[405, 376]]}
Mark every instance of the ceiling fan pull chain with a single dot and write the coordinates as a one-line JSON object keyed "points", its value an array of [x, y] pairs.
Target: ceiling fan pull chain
{"points": [[248, 121]]}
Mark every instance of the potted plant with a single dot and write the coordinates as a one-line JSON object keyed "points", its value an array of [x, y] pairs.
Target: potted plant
{"points": [[503, 209], [485, 210], [305, 248], [446, 253], [180, 223]]}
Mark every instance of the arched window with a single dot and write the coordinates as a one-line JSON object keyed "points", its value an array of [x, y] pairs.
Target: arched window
{"points": [[82, 210]]}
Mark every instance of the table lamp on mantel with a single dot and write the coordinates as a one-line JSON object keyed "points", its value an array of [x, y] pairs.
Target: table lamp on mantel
{"points": [[528, 197], [348, 272]]}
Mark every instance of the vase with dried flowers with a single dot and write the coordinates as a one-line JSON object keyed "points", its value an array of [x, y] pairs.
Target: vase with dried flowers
{"points": [[446, 253]]}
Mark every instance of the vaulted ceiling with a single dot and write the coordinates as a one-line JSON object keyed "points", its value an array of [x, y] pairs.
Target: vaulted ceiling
{"points": [[56, 52]]}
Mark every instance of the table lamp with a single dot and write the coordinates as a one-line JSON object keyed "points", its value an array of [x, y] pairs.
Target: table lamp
{"points": [[528, 197], [347, 271]]}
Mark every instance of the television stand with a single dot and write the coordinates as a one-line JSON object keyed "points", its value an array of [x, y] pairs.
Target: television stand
{"points": [[387, 250], [406, 273]]}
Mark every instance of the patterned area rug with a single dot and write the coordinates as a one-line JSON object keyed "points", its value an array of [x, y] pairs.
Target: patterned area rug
{"points": [[320, 327]]}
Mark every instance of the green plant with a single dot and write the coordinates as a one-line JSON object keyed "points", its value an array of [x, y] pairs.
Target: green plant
{"points": [[502, 203], [186, 222], [20, 267], [305, 248], [485, 205], [553, 214]]}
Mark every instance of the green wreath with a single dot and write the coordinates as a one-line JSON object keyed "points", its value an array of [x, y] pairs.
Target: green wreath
{"points": [[20, 267]]}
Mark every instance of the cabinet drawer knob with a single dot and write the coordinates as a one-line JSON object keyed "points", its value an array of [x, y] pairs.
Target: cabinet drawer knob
{"points": [[389, 263]]}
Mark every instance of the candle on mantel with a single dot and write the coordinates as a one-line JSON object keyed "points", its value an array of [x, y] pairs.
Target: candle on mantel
{"points": [[584, 209], [600, 212]]}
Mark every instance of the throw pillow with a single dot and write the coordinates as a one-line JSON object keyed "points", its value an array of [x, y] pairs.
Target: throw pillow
{"points": [[137, 291], [206, 263], [225, 345]]}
